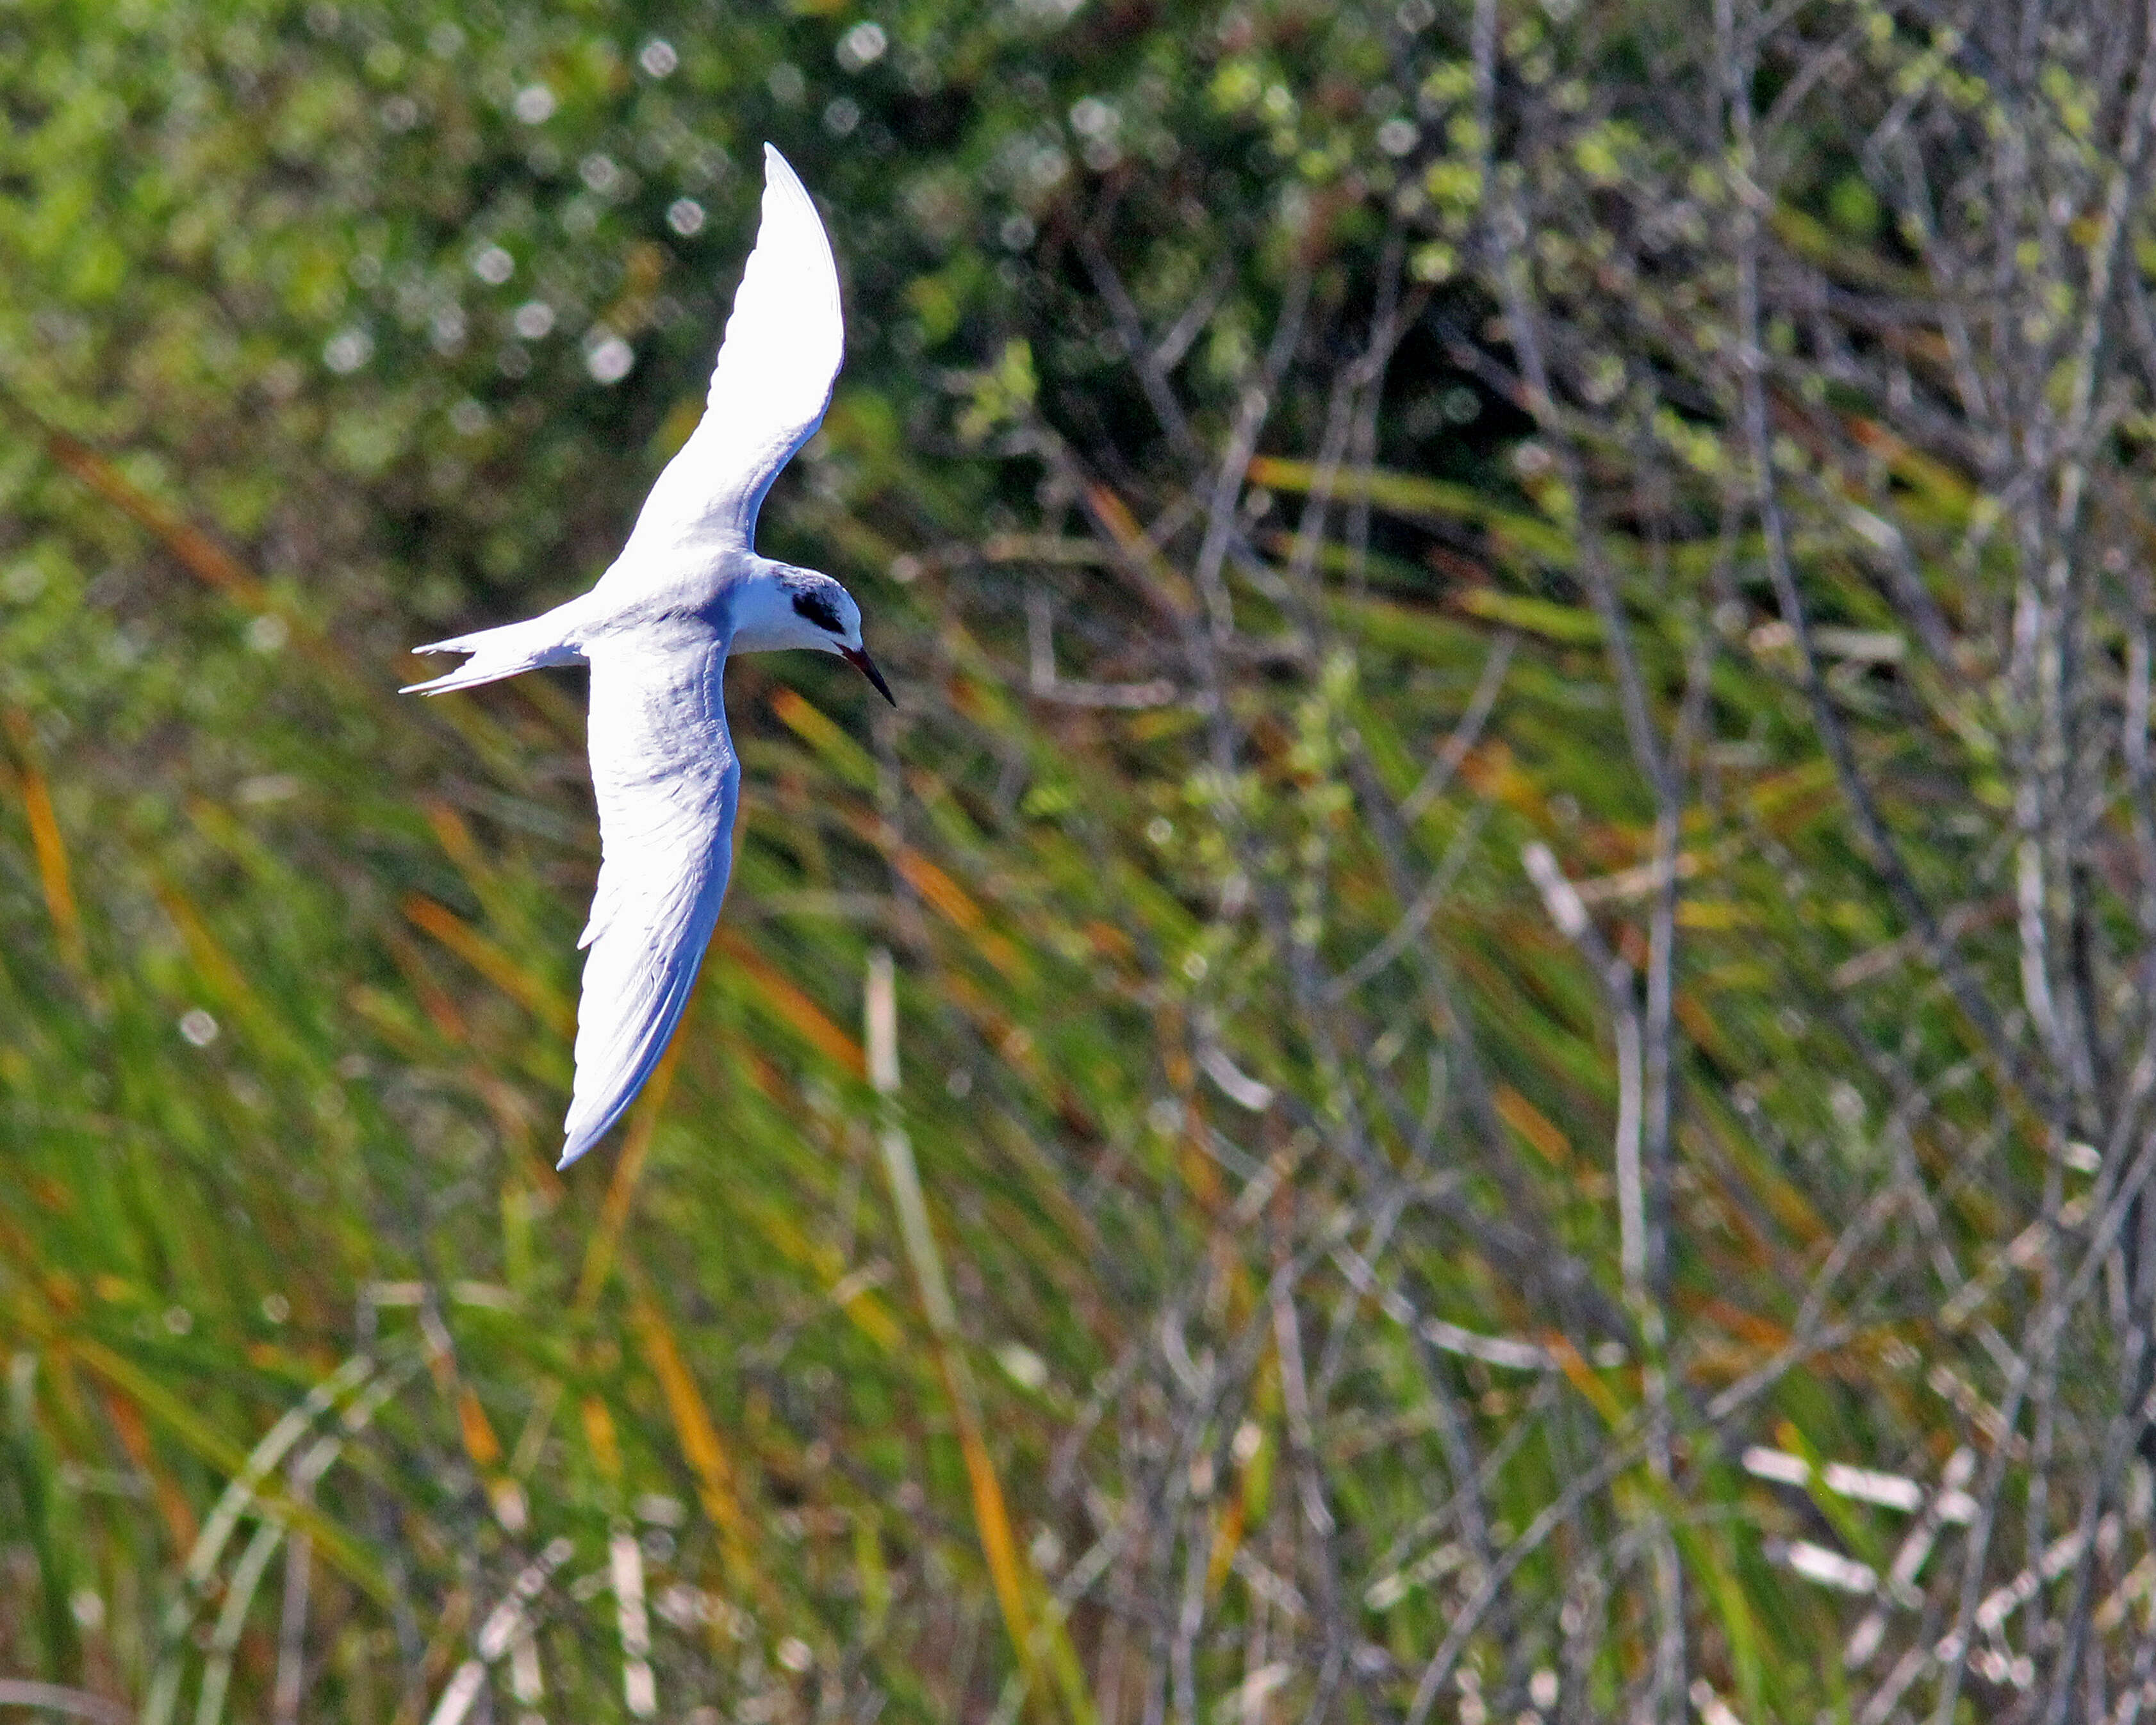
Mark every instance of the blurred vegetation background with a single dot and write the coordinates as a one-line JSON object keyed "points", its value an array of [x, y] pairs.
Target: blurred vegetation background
{"points": [[1479, 1046]]}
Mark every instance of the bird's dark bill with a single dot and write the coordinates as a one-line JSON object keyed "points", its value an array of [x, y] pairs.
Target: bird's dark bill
{"points": [[866, 666]]}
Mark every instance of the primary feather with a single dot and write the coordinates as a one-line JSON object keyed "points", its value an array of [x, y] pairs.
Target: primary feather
{"points": [[768, 391]]}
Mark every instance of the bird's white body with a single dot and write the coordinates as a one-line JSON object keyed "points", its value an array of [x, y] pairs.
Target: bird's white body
{"points": [[687, 589]]}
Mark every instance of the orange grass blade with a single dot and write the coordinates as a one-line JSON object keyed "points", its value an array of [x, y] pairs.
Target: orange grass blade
{"points": [[135, 1439], [1010, 1571], [621, 1190], [700, 1444], [218, 968], [203, 557], [45, 839], [784, 997], [491, 961]]}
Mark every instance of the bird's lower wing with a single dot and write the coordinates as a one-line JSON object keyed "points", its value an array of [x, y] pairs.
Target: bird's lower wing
{"points": [[667, 785]]}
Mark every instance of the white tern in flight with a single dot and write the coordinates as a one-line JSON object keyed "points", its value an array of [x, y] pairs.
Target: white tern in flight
{"points": [[687, 589]]}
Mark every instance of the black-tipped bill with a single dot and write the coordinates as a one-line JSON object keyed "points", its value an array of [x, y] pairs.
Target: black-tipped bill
{"points": [[866, 666]]}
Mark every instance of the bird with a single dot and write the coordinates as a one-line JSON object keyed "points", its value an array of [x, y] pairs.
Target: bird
{"points": [[687, 590]]}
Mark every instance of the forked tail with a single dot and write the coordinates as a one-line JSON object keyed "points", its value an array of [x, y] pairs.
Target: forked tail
{"points": [[503, 652]]}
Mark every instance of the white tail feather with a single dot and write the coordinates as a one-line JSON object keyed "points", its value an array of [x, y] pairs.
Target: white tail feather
{"points": [[496, 652]]}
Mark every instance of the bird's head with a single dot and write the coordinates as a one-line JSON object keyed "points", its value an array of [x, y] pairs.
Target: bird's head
{"points": [[802, 608]]}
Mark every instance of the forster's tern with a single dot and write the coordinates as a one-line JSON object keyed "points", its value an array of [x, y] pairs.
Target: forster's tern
{"points": [[687, 589]]}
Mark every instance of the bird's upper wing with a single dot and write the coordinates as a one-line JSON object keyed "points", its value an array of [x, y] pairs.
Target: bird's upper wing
{"points": [[771, 384], [667, 783]]}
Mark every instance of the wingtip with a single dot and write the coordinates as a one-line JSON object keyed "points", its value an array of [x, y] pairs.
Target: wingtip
{"points": [[778, 171], [577, 1140], [582, 1130]]}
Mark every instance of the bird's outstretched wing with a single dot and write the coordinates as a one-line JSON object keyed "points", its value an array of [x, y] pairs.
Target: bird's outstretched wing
{"points": [[771, 384], [667, 783]]}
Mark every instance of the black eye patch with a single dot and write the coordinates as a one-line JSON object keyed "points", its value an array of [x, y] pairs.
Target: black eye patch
{"points": [[816, 607]]}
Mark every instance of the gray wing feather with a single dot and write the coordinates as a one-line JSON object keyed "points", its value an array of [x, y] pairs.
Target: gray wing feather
{"points": [[770, 386], [667, 785]]}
